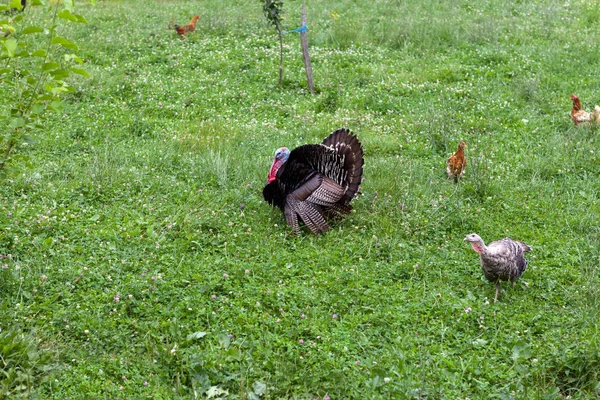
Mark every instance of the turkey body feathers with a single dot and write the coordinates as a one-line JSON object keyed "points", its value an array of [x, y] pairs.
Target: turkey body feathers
{"points": [[504, 260], [317, 179]]}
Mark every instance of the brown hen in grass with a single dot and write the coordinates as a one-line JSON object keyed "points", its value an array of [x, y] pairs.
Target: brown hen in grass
{"points": [[579, 116], [191, 27], [457, 163]]}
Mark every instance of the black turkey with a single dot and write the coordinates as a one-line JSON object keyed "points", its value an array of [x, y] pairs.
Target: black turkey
{"points": [[316, 180], [23, 5], [503, 260]]}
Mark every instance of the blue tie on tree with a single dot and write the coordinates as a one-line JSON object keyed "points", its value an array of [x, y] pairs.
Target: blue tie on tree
{"points": [[302, 29]]}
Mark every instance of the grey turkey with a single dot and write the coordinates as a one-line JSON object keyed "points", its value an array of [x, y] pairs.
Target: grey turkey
{"points": [[503, 260], [316, 180]]}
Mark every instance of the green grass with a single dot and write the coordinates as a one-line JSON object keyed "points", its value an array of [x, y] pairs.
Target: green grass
{"points": [[136, 191]]}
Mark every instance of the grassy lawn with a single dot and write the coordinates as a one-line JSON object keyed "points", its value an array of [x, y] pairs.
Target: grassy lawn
{"points": [[140, 260]]}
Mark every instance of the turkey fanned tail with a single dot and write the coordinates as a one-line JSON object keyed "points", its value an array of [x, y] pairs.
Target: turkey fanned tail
{"points": [[350, 148]]}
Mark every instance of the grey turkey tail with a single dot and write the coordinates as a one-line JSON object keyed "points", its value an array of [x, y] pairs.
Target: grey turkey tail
{"points": [[523, 267], [525, 247], [522, 264], [348, 145]]}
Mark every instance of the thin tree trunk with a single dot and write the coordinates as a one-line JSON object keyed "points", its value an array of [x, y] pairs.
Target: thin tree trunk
{"points": [[305, 54], [9, 148]]}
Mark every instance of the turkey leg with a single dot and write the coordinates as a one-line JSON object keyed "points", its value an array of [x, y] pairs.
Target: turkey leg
{"points": [[497, 290]]}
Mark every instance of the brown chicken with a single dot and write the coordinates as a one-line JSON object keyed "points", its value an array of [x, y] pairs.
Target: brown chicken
{"points": [[191, 27], [457, 163], [579, 116]]}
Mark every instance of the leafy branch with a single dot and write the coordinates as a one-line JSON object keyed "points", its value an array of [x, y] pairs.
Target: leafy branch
{"points": [[273, 11], [37, 63]]}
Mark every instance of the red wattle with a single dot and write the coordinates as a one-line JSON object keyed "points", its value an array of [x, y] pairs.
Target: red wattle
{"points": [[477, 247], [273, 172]]}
